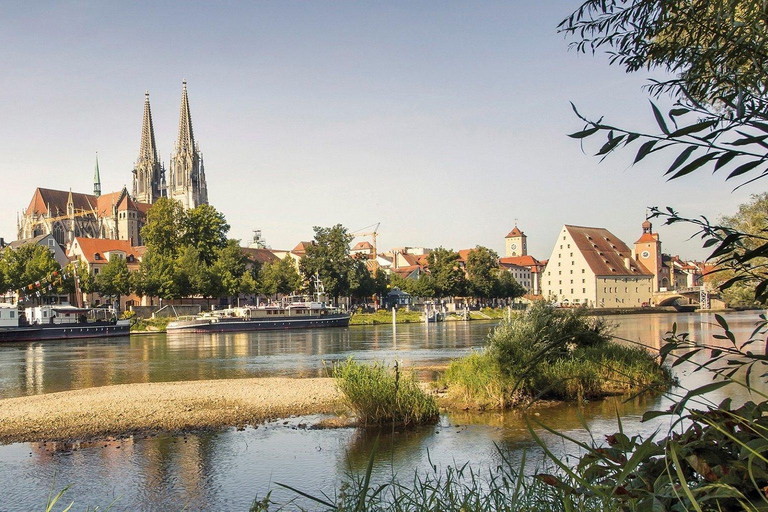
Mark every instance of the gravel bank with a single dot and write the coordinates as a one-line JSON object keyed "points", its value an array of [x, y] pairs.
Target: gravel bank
{"points": [[161, 406]]}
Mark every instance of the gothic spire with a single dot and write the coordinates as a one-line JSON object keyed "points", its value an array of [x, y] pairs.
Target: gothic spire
{"points": [[186, 138], [148, 149], [96, 178]]}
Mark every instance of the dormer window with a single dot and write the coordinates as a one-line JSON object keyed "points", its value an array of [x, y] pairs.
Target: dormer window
{"points": [[97, 256]]}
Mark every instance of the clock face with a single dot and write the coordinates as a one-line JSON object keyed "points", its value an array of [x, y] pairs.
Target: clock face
{"points": [[513, 247], [646, 254]]}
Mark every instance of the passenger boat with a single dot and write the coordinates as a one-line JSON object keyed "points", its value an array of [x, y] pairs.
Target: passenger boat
{"points": [[55, 322], [295, 312]]}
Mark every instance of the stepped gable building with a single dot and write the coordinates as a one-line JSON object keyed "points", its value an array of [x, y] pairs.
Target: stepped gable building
{"points": [[593, 266], [187, 179], [67, 215]]}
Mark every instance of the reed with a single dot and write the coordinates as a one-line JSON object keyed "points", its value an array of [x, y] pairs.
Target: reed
{"points": [[379, 395]]}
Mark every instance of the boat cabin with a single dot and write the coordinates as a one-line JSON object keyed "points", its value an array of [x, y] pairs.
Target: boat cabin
{"points": [[56, 314], [9, 315]]}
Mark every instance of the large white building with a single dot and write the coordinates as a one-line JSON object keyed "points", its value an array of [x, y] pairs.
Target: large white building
{"points": [[594, 267]]}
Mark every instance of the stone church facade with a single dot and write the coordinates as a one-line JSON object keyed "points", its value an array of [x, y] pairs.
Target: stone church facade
{"points": [[120, 215]]}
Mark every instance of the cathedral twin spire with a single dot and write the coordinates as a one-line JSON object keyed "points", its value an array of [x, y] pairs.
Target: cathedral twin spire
{"points": [[187, 176]]}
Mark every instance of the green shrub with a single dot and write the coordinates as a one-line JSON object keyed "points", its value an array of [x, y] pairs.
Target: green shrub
{"points": [[552, 354], [384, 316], [379, 395]]}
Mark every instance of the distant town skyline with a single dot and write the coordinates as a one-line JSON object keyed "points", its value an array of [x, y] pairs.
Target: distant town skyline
{"points": [[444, 125]]}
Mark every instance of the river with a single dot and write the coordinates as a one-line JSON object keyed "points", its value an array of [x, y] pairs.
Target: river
{"points": [[225, 470]]}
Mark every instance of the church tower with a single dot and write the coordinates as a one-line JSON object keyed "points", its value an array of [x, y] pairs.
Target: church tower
{"points": [[187, 180], [97, 178], [516, 243], [148, 174], [648, 252]]}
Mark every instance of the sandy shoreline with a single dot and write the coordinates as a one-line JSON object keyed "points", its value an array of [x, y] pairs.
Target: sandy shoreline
{"points": [[161, 406]]}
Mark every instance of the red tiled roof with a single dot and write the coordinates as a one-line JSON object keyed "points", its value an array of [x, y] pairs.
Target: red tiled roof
{"points": [[605, 253], [362, 245], [514, 232], [57, 200], [404, 272], [301, 247], [464, 254], [646, 238], [259, 255], [90, 247], [524, 261]]}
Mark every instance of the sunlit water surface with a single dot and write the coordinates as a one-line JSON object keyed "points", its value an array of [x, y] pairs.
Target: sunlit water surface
{"points": [[225, 470]]}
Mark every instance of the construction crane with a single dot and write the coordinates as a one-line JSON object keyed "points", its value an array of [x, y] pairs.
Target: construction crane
{"points": [[373, 234]]}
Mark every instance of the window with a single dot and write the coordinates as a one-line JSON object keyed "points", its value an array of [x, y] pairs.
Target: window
{"points": [[571, 271], [583, 280], [583, 290], [583, 271], [95, 271], [571, 290], [571, 253], [13, 314]]}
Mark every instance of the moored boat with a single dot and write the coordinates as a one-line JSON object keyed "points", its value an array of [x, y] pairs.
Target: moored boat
{"points": [[295, 312], [55, 322]]}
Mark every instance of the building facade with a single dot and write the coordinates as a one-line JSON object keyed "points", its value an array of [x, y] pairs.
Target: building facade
{"points": [[594, 267], [67, 215]]}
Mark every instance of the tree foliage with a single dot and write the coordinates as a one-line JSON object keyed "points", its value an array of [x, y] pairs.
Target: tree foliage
{"points": [[482, 272], [113, 279], [279, 277], [328, 257], [26, 265], [447, 277]]}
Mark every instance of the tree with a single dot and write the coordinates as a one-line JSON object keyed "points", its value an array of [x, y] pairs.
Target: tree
{"points": [[361, 282], [425, 286], [329, 258], [447, 278], [228, 269], [28, 265], [113, 279], [506, 287], [716, 50], [482, 272], [279, 277], [157, 276], [205, 229], [406, 285], [751, 219], [165, 227]]}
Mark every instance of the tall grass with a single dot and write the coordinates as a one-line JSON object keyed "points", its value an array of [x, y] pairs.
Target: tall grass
{"points": [[379, 395], [384, 316], [504, 488], [551, 354]]}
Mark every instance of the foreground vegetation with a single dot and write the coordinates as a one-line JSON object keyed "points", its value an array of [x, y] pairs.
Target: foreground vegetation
{"points": [[551, 354], [379, 395]]}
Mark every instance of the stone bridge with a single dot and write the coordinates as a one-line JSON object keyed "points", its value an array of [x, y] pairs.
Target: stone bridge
{"points": [[694, 296]]}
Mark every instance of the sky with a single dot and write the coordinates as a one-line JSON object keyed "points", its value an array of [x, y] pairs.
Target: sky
{"points": [[444, 122]]}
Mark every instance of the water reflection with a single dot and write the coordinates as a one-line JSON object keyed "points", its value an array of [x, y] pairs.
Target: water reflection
{"points": [[34, 368], [224, 470]]}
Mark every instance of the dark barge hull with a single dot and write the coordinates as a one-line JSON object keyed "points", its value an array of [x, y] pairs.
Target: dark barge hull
{"points": [[267, 324], [63, 332]]}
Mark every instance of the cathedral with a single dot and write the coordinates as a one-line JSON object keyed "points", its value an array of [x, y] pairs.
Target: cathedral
{"points": [[121, 215]]}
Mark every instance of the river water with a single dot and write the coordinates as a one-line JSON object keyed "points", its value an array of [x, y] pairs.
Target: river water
{"points": [[225, 470]]}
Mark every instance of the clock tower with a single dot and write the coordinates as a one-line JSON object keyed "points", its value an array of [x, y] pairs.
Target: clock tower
{"points": [[515, 243], [648, 252]]}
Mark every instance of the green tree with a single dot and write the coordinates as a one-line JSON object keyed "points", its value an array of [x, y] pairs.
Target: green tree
{"points": [[113, 280], [157, 276], [205, 229], [278, 277], [425, 286], [448, 277], [482, 272], [29, 264], [228, 268], [329, 258], [750, 219], [406, 285], [361, 283], [165, 227], [191, 273], [506, 287]]}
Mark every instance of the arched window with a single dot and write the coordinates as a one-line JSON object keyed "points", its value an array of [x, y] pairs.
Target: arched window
{"points": [[58, 233]]}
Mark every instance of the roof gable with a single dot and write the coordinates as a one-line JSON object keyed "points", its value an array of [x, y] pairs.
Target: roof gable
{"points": [[605, 253]]}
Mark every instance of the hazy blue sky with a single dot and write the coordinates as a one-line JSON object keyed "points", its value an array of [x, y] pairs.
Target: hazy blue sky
{"points": [[443, 121]]}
